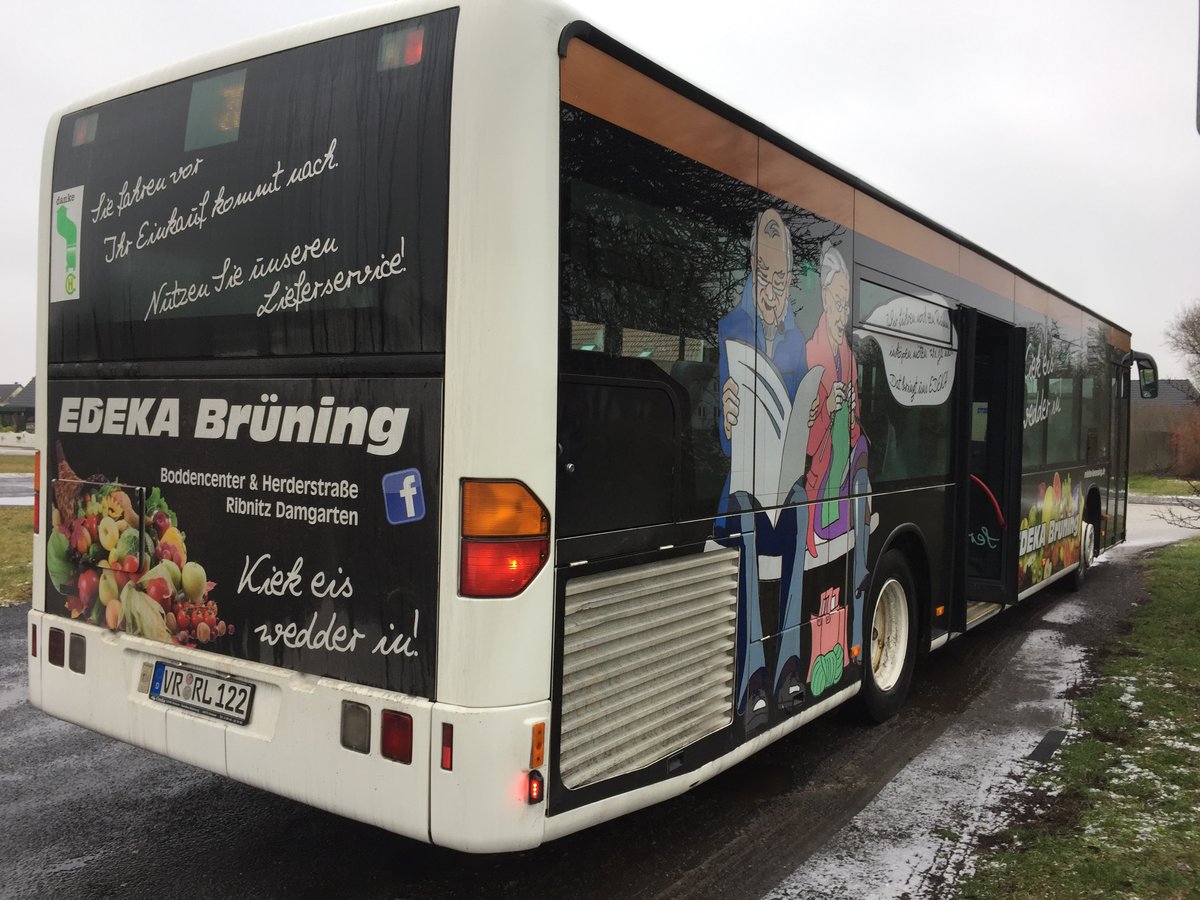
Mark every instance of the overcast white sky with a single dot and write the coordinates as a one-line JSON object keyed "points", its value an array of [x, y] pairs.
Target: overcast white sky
{"points": [[1058, 134]]}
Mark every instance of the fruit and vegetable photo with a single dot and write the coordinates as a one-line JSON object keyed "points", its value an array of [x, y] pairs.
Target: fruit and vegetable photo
{"points": [[126, 569]]}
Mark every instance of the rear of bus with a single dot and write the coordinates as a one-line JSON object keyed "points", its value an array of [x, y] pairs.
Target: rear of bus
{"points": [[288, 418]]}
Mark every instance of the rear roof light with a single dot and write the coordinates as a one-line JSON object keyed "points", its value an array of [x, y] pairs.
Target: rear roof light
{"points": [[401, 49], [396, 736], [505, 538]]}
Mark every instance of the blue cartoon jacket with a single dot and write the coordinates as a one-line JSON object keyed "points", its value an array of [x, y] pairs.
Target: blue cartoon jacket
{"points": [[787, 354]]}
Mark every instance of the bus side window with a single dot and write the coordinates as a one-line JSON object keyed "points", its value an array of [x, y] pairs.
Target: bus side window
{"points": [[620, 432], [908, 443], [709, 465]]}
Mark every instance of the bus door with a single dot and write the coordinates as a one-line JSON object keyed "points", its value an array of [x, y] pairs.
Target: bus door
{"points": [[987, 465], [1113, 528]]}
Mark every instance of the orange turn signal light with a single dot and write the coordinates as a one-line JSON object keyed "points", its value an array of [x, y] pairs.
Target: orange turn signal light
{"points": [[537, 751], [502, 509]]}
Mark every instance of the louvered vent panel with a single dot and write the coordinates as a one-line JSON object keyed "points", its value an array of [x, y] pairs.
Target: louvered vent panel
{"points": [[648, 663]]}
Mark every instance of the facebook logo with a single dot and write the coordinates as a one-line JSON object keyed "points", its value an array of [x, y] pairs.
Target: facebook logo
{"points": [[402, 496]]}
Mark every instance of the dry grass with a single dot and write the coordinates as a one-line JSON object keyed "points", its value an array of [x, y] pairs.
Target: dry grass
{"points": [[16, 462], [16, 554]]}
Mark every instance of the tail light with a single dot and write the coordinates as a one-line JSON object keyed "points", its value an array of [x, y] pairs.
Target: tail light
{"points": [[537, 787], [447, 746], [37, 492], [505, 538], [396, 736], [33, 641]]}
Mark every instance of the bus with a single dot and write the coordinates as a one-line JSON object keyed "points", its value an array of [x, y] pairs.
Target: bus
{"points": [[459, 423]]}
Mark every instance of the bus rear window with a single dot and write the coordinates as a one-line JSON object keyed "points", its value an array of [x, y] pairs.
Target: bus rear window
{"points": [[292, 205]]}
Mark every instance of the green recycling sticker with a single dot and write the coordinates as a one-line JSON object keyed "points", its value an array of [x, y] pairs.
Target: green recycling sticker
{"points": [[64, 245]]}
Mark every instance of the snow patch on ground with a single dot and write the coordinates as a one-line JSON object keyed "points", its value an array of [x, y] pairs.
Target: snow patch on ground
{"points": [[916, 838], [1066, 613]]}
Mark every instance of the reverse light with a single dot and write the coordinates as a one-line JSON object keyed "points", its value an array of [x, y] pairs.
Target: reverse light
{"points": [[396, 736], [356, 726], [77, 654], [505, 538], [537, 787]]}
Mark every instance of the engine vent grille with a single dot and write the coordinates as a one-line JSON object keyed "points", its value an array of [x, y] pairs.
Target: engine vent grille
{"points": [[648, 663]]}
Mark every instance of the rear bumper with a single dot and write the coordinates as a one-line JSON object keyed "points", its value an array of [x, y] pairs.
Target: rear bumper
{"points": [[292, 743]]}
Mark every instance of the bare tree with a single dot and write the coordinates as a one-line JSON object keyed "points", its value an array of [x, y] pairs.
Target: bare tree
{"points": [[1183, 336], [1184, 510]]}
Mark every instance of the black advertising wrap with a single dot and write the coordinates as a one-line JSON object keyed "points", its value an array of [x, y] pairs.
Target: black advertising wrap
{"points": [[283, 219], [289, 205], [311, 505]]}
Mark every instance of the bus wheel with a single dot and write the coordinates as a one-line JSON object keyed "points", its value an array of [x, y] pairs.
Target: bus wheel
{"points": [[1087, 553], [890, 644]]}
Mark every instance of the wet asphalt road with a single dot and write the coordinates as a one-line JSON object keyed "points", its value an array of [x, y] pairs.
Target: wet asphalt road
{"points": [[85, 816], [16, 489]]}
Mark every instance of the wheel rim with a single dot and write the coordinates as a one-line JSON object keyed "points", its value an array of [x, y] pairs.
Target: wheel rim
{"points": [[1088, 550], [889, 635]]}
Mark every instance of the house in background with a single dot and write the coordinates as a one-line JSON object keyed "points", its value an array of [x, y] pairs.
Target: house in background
{"points": [[17, 406], [1158, 427]]}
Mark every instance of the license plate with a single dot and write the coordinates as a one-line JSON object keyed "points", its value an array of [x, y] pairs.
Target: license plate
{"points": [[202, 692]]}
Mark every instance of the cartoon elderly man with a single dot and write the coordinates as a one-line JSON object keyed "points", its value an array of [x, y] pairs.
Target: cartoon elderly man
{"points": [[763, 320], [837, 448]]}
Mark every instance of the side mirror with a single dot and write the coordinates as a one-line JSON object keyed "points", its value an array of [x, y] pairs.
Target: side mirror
{"points": [[1147, 374]]}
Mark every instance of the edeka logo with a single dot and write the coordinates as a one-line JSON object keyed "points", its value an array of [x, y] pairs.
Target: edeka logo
{"points": [[403, 497]]}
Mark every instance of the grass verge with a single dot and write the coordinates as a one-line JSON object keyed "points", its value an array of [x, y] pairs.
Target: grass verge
{"points": [[1157, 484], [16, 462], [16, 552], [1114, 815]]}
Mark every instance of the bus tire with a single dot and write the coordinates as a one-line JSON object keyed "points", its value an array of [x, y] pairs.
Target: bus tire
{"points": [[1087, 554], [890, 639]]}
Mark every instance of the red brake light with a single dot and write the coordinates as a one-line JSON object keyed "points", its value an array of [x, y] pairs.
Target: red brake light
{"points": [[396, 736], [447, 746], [501, 568], [537, 787]]}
